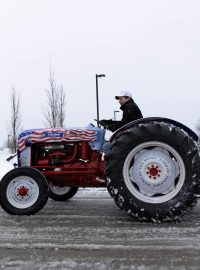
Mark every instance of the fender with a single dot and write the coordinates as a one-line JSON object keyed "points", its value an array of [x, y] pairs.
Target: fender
{"points": [[152, 119]]}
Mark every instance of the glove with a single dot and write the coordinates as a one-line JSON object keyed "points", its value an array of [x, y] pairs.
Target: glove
{"points": [[105, 122], [112, 127]]}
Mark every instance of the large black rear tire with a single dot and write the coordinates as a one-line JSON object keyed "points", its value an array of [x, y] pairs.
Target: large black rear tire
{"points": [[23, 191], [153, 172]]}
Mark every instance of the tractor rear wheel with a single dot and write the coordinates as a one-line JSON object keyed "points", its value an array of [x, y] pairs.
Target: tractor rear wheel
{"points": [[153, 172], [61, 193], [24, 191]]}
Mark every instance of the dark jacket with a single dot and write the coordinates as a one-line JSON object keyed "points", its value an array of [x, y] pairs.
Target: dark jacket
{"points": [[131, 112]]}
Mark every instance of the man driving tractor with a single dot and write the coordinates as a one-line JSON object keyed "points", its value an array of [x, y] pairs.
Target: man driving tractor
{"points": [[130, 110]]}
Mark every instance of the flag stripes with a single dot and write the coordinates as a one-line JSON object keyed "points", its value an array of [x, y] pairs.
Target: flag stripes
{"points": [[54, 135]]}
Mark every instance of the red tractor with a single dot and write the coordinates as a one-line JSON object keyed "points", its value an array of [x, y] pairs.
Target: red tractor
{"points": [[152, 170]]}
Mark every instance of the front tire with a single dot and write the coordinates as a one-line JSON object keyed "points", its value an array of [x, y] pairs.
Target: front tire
{"points": [[24, 191], [153, 172], [61, 193]]}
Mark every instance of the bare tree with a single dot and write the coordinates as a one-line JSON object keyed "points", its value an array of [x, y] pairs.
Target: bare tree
{"points": [[55, 112], [61, 106], [52, 101], [15, 120]]}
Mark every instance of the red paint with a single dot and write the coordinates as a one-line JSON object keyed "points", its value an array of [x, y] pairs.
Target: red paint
{"points": [[83, 167], [153, 171], [23, 191]]}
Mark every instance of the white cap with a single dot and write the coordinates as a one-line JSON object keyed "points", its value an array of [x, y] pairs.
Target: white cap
{"points": [[124, 94]]}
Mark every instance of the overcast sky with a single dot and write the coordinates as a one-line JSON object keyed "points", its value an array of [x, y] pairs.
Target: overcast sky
{"points": [[148, 47]]}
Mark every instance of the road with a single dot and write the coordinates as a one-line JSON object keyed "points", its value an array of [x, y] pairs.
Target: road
{"points": [[90, 232]]}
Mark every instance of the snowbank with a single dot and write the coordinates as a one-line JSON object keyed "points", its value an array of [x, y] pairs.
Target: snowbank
{"points": [[5, 165]]}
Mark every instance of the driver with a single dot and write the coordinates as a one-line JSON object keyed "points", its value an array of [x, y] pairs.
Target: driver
{"points": [[130, 110]]}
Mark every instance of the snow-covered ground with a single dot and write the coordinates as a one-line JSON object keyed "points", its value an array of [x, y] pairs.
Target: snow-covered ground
{"points": [[90, 232], [6, 166]]}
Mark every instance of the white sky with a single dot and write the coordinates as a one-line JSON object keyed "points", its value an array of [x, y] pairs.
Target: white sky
{"points": [[149, 47]]}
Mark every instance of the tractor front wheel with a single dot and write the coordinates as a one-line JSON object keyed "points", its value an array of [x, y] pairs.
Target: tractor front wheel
{"points": [[24, 191], [60, 192]]}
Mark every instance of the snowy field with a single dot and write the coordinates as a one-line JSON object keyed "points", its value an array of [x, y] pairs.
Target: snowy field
{"points": [[90, 232], [5, 166]]}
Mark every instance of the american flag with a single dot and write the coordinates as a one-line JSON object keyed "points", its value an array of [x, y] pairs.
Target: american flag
{"points": [[28, 137]]}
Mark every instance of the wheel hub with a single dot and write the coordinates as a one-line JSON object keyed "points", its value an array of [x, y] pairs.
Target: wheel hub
{"points": [[154, 172], [23, 191]]}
